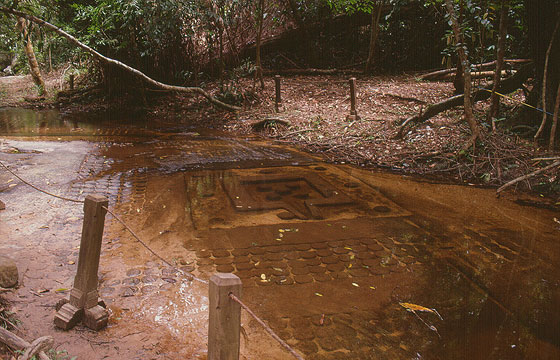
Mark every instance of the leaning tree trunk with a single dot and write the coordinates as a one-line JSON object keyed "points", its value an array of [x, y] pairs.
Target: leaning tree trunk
{"points": [[375, 15], [494, 99], [108, 61], [461, 51], [258, 62], [31, 59]]}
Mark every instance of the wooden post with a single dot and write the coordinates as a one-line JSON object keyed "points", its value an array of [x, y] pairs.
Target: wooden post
{"points": [[278, 100], [224, 318], [353, 113], [71, 81], [84, 302]]}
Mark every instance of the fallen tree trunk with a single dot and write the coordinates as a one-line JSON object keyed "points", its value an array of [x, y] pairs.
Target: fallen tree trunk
{"points": [[506, 86], [106, 60], [311, 71], [15, 342], [440, 74], [475, 75]]}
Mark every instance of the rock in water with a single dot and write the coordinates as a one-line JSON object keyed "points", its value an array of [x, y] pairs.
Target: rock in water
{"points": [[8, 272]]}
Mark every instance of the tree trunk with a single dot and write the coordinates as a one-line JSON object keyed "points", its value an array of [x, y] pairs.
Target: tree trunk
{"points": [[258, 65], [494, 99], [463, 57], [374, 33], [541, 18], [106, 60], [544, 93], [459, 80], [31, 59], [554, 121]]}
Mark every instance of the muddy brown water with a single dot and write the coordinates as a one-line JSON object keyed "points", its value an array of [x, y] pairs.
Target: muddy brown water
{"points": [[331, 256]]}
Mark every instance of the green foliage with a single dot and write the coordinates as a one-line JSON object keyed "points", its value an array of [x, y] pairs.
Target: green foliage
{"points": [[352, 6], [231, 90]]}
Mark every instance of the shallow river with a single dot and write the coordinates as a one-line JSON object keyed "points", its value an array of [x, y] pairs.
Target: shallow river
{"points": [[342, 262]]}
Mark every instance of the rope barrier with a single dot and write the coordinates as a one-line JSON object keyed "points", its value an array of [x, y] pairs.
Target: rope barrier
{"points": [[185, 273], [40, 190], [518, 101], [266, 327]]}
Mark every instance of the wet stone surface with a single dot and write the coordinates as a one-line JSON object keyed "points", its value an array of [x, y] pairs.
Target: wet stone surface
{"points": [[324, 256]]}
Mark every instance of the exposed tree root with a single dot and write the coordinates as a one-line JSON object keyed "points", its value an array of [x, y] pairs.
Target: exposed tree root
{"points": [[506, 86]]}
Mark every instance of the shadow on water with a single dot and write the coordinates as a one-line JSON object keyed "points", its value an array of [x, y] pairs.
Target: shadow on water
{"points": [[343, 263]]}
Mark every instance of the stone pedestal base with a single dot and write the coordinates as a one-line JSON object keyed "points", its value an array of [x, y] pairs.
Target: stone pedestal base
{"points": [[96, 318], [68, 316]]}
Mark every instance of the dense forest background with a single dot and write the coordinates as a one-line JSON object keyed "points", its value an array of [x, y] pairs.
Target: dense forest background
{"points": [[189, 43]]}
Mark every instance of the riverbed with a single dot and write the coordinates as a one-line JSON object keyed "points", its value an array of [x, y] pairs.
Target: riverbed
{"points": [[342, 262]]}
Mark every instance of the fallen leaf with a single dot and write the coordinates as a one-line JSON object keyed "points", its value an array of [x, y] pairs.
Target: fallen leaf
{"points": [[414, 308], [61, 290], [318, 294], [263, 276], [71, 262], [356, 285], [372, 287]]}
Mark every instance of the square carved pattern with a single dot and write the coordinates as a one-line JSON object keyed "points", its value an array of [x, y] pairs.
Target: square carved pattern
{"points": [[304, 196]]}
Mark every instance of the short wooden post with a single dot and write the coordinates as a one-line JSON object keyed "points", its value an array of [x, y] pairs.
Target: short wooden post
{"points": [[224, 318], [353, 113], [84, 302], [71, 81], [278, 99]]}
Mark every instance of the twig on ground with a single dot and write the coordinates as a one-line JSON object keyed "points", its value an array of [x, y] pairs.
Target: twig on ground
{"points": [[525, 177]]}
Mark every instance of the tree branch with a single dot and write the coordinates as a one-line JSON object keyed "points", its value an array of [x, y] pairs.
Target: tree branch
{"points": [[119, 64], [524, 177]]}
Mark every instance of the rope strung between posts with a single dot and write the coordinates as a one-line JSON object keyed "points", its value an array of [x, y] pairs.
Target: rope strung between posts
{"points": [[40, 190], [266, 327], [518, 101], [185, 273]]}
